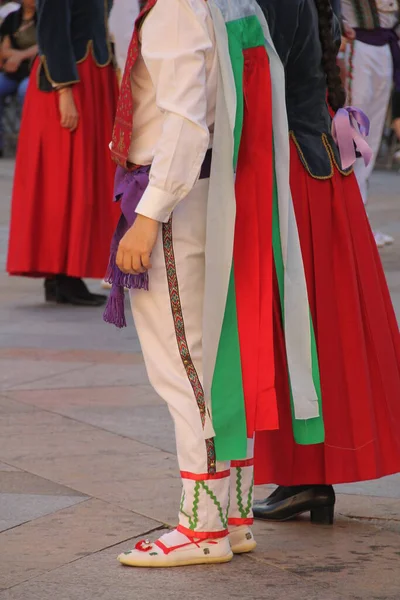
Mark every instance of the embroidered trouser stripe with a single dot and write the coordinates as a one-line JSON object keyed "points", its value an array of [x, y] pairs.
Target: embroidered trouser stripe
{"points": [[173, 287]]}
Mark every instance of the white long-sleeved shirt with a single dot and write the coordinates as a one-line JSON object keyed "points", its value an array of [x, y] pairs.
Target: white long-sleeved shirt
{"points": [[388, 12], [174, 86]]}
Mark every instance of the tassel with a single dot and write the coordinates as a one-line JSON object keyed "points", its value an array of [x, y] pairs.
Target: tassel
{"points": [[131, 282], [115, 309], [129, 188]]}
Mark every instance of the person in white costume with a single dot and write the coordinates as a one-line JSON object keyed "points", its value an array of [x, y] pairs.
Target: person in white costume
{"points": [[372, 65], [177, 151], [180, 93]]}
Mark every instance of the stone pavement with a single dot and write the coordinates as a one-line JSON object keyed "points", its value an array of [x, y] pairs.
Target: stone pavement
{"points": [[87, 465]]}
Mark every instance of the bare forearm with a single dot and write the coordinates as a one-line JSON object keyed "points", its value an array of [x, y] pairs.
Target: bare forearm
{"points": [[21, 54], [8, 52], [29, 53]]}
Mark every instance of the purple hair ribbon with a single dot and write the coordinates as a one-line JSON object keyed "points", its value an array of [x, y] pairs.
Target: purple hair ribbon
{"points": [[350, 127]]}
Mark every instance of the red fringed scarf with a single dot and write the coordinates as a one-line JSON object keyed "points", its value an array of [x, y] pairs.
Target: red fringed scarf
{"points": [[122, 133]]}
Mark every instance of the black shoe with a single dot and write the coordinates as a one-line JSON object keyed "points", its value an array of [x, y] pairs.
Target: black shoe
{"points": [[71, 290], [286, 503]]}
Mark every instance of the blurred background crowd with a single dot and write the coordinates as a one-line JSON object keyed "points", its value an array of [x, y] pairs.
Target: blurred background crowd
{"points": [[369, 60]]}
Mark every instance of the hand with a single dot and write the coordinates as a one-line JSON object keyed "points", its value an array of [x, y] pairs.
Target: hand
{"points": [[349, 32], [136, 246], [69, 116], [12, 64]]}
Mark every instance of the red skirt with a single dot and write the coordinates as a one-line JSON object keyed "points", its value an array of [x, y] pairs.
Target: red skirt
{"points": [[357, 339], [63, 216]]}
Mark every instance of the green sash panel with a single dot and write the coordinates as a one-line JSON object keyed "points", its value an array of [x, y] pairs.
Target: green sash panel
{"points": [[310, 431]]}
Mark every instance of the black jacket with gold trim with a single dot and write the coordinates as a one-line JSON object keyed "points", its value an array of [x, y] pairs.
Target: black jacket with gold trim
{"points": [[295, 32], [68, 30]]}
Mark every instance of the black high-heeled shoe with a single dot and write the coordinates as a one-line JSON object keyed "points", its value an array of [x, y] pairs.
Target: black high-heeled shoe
{"points": [[63, 289], [286, 503]]}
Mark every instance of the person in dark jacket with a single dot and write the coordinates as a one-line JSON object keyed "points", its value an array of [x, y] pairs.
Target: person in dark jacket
{"points": [[356, 358], [63, 149], [18, 49]]}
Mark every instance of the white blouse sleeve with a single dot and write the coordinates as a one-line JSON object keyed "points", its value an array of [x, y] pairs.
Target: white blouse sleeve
{"points": [[175, 40]]}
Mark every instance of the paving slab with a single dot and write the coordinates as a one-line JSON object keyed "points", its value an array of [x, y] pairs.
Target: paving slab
{"points": [[16, 509], [67, 535], [15, 481], [7, 468], [8, 406], [100, 576], [387, 486], [148, 424], [67, 355], [362, 507], [354, 558], [66, 401], [135, 411], [88, 460], [129, 461], [76, 442], [41, 421], [85, 376], [31, 373], [157, 498], [26, 321]]}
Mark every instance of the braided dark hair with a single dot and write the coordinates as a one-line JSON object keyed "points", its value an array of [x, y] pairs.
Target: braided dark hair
{"points": [[336, 93]]}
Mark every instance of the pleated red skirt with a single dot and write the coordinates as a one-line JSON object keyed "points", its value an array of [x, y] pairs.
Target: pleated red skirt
{"points": [[63, 216], [357, 339]]}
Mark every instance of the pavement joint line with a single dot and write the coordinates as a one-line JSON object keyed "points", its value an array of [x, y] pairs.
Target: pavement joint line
{"points": [[86, 499], [123, 436], [46, 515], [371, 519], [13, 466], [86, 496], [70, 562], [79, 387], [53, 412], [46, 377], [31, 353]]}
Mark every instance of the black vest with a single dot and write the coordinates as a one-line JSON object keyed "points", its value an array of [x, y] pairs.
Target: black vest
{"points": [[294, 29], [67, 31]]}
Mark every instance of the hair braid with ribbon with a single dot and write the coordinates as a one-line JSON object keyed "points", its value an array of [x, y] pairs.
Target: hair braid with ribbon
{"points": [[336, 92]]}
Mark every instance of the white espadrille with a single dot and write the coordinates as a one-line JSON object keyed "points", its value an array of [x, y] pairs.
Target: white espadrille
{"points": [[175, 549], [241, 539]]}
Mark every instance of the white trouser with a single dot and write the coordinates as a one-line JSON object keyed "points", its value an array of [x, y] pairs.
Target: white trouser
{"points": [[168, 320], [370, 90]]}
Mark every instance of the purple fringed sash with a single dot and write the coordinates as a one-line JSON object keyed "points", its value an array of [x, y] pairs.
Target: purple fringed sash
{"points": [[129, 187]]}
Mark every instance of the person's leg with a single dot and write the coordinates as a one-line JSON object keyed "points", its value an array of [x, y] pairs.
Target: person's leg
{"points": [[371, 87], [21, 92], [168, 319], [241, 503], [7, 87], [382, 83]]}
